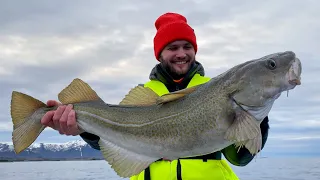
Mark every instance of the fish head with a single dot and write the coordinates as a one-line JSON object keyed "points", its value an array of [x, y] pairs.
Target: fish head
{"points": [[261, 81]]}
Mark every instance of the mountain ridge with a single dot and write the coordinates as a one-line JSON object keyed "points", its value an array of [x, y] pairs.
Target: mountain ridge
{"points": [[72, 150]]}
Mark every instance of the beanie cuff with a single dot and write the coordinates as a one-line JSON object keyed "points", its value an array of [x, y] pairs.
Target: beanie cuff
{"points": [[172, 32]]}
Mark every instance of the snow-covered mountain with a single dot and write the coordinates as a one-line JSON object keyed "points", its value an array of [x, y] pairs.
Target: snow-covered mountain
{"points": [[77, 145], [51, 151]]}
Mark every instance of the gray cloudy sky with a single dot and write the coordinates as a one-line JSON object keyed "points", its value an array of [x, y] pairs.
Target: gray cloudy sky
{"points": [[109, 44]]}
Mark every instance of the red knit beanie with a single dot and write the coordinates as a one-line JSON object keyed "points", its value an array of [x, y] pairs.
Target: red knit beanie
{"points": [[171, 27]]}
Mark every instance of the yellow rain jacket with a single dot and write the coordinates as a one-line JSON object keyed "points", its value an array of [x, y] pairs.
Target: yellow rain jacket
{"points": [[186, 169]]}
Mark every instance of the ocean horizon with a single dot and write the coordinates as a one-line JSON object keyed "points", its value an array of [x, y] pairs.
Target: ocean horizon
{"points": [[261, 168]]}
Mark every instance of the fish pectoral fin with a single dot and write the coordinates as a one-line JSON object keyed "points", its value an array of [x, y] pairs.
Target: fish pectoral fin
{"points": [[245, 131], [124, 162], [78, 91], [140, 96], [175, 95], [253, 145]]}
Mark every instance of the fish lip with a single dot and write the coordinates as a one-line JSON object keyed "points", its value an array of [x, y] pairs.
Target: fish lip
{"points": [[295, 82], [294, 73]]}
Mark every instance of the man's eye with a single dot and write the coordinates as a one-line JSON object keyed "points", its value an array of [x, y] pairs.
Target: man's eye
{"points": [[172, 48]]}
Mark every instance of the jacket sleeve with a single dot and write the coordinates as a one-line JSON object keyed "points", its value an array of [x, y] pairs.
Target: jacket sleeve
{"points": [[243, 157], [91, 139]]}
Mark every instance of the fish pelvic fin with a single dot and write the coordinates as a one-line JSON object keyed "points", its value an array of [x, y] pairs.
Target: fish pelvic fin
{"points": [[124, 162], [140, 96], [77, 91], [245, 132], [25, 129]]}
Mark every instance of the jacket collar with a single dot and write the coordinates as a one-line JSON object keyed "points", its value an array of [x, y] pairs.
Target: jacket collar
{"points": [[160, 74]]}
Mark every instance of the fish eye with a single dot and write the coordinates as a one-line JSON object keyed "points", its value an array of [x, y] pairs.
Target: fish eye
{"points": [[272, 64]]}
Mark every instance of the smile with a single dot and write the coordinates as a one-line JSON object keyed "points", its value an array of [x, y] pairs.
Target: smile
{"points": [[180, 62]]}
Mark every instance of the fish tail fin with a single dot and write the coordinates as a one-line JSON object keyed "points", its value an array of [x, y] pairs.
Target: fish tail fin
{"points": [[25, 128]]}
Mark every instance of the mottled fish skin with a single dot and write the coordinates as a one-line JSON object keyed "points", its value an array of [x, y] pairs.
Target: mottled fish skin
{"points": [[170, 129], [190, 122]]}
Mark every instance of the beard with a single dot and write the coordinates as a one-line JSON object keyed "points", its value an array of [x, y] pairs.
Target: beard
{"points": [[173, 71]]}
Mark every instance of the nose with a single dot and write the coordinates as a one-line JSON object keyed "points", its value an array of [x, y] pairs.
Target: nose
{"points": [[181, 53]]}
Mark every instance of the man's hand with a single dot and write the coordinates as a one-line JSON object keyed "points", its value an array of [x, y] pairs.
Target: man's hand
{"points": [[63, 119]]}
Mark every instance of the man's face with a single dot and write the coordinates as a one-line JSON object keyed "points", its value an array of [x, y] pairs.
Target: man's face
{"points": [[177, 58]]}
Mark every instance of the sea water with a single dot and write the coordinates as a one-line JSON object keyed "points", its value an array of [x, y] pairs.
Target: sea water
{"points": [[258, 169]]}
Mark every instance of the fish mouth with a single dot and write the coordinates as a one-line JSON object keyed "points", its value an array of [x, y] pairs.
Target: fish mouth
{"points": [[293, 76], [295, 82]]}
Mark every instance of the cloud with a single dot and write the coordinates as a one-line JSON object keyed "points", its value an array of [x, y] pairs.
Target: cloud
{"points": [[46, 44]]}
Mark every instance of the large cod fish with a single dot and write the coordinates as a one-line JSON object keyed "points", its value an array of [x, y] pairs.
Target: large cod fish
{"points": [[191, 122]]}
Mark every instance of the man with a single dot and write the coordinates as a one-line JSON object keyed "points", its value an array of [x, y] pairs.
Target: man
{"points": [[175, 47]]}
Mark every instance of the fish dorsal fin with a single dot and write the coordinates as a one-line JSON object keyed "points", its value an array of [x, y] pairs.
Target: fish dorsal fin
{"points": [[141, 96], [145, 96], [77, 91], [125, 163], [175, 95]]}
